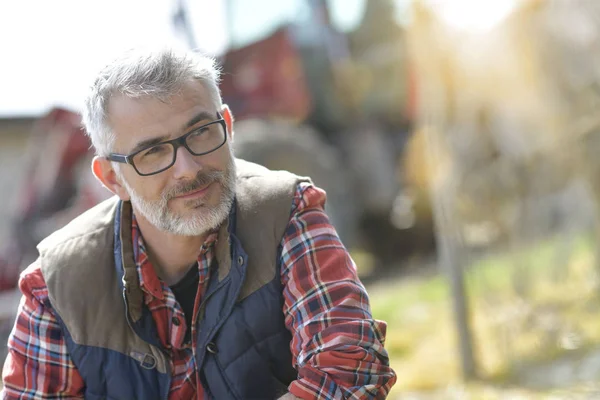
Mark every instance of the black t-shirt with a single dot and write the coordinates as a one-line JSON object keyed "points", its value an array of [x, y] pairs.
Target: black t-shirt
{"points": [[185, 292]]}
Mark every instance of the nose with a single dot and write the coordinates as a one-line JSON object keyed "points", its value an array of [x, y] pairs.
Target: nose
{"points": [[186, 165]]}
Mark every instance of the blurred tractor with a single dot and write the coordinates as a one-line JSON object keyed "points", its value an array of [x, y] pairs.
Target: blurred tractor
{"points": [[334, 106], [308, 98], [57, 186]]}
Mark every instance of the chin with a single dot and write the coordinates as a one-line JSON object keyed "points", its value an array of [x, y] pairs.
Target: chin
{"points": [[200, 221]]}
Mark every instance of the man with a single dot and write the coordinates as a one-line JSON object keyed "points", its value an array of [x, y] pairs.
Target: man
{"points": [[204, 277]]}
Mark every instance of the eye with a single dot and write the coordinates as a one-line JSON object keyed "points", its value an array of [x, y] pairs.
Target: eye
{"points": [[201, 134], [200, 131], [156, 150]]}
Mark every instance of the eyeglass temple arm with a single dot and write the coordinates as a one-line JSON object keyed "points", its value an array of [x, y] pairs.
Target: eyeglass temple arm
{"points": [[120, 158]]}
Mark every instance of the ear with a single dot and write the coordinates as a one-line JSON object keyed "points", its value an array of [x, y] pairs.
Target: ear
{"points": [[228, 116], [106, 174]]}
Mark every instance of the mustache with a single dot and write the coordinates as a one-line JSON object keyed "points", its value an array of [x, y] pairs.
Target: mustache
{"points": [[203, 178]]}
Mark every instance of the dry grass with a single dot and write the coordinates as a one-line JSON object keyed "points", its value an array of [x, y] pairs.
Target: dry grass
{"points": [[525, 311]]}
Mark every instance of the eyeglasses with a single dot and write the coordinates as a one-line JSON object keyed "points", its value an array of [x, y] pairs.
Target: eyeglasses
{"points": [[160, 157]]}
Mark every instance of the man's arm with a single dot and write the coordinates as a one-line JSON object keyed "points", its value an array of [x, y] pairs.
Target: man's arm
{"points": [[38, 363], [337, 345]]}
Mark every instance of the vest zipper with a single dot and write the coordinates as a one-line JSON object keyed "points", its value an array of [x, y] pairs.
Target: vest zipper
{"points": [[202, 306], [195, 334], [168, 368], [200, 315]]}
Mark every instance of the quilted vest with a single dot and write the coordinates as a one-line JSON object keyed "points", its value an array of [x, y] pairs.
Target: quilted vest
{"points": [[243, 347]]}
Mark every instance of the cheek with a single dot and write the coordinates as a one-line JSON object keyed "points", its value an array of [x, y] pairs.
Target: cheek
{"points": [[221, 157], [157, 187], [149, 187]]}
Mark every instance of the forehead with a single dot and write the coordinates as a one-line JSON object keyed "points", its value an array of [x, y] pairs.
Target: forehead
{"points": [[135, 119]]}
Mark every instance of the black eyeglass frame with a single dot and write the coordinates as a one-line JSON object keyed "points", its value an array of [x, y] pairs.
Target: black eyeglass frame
{"points": [[176, 143]]}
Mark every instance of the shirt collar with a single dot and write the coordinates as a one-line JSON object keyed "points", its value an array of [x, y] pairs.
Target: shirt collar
{"points": [[149, 281]]}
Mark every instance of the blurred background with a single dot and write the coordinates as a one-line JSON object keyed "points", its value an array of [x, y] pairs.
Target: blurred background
{"points": [[456, 140]]}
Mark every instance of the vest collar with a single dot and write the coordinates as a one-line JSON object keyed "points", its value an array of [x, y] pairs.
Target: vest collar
{"points": [[125, 260]]}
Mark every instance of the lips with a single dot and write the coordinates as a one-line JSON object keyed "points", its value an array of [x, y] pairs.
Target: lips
{"points": [[195, 193]]}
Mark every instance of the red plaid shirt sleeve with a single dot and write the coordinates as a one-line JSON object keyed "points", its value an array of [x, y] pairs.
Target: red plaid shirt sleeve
{"points": [[337, 346], [38, 365]]}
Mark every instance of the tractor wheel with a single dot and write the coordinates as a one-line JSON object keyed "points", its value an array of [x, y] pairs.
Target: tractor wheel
{"points": [[280, 145]]}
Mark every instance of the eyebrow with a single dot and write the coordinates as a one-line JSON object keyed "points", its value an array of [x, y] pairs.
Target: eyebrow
{"points": [[201, 116], [148, 142]]}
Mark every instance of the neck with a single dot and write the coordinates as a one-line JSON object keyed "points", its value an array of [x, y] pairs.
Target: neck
{"points": [[171, 255]]}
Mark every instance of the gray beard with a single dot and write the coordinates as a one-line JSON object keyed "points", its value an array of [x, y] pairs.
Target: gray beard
{"points": [[204, 219]]}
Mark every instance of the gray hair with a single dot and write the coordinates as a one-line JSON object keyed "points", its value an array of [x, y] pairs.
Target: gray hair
{"points": [[137, 73]]}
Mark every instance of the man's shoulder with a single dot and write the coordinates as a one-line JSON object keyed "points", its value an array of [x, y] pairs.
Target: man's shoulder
{"points": [[72, 253], [257, 184], [93, 220], [276, 190], [246, 169]]}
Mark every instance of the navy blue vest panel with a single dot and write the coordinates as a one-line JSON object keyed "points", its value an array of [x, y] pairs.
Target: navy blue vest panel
{"points": [[249, 357], [243, 346], [109, 374]]}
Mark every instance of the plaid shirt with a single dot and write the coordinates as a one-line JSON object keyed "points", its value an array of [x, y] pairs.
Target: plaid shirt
{"points": [[337, 347]]}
